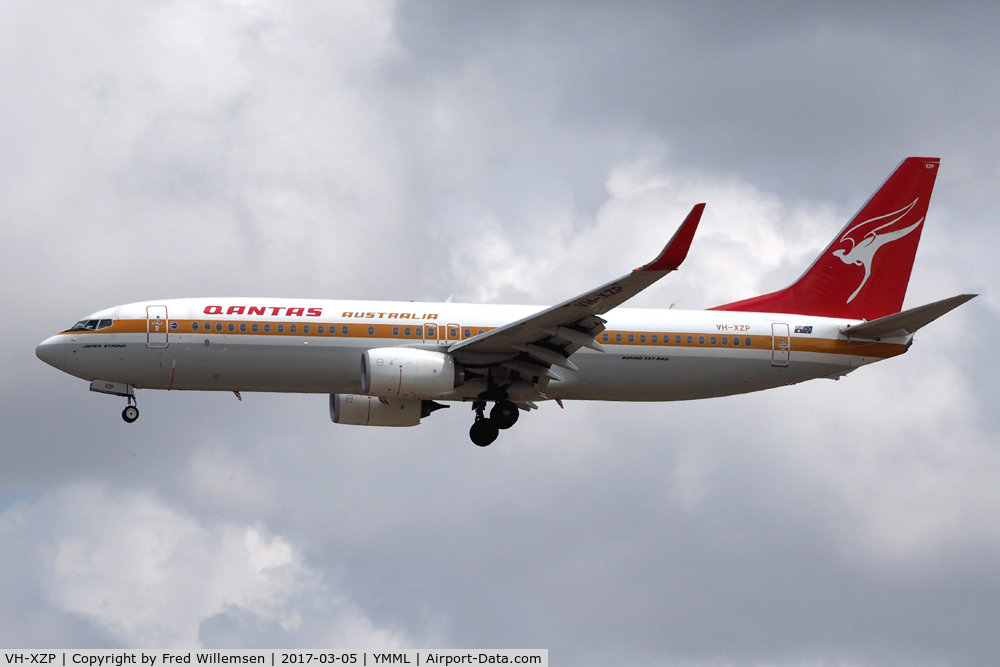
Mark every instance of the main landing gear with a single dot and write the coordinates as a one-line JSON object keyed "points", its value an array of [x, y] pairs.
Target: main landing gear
{"points": [[131, 411], [486, 429]]}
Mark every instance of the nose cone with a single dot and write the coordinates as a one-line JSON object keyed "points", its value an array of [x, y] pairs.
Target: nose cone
{"points": [[53, 352]]}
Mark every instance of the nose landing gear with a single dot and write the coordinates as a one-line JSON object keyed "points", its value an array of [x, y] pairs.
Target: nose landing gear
{"points": [[131, 411], [486, 429]]}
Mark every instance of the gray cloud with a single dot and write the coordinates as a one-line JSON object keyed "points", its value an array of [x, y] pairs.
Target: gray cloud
{"points": [[503, 153]]}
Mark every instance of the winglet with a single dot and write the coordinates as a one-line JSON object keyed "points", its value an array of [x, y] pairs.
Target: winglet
{"points": [[677, 249]]}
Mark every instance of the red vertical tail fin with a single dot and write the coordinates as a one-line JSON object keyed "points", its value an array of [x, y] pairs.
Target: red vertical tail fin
{"points": [[864, 272]]}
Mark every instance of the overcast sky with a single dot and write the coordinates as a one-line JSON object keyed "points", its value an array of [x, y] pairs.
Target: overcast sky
{"points": [[502, 153]]}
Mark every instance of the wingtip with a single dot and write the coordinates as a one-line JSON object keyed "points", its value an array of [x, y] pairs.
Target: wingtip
{"points": [[676, 250]]}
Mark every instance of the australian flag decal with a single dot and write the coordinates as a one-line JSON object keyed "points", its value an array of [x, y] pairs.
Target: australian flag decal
{"points": [[803, 329]]}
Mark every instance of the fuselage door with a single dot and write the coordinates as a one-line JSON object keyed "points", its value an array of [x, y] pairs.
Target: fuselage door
{"points": [[452, 333], [157, 326], [431, 332], [781, 343]]}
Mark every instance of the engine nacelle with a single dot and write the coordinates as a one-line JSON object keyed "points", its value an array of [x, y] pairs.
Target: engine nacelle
{"points": [[405, 372], [375, 411]]}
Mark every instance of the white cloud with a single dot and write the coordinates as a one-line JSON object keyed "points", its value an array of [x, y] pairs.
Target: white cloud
{"points": [[749, 241], [506, 153], [900, 450], [150, 575]]}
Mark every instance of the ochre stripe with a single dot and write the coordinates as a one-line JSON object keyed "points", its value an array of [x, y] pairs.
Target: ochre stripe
{"points": [[607, 338]]}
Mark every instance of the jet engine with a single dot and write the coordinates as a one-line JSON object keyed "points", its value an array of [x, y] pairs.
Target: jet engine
{"points": [[375, 411], [406, 372]]}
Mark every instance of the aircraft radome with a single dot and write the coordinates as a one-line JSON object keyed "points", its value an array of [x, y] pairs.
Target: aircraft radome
{"points": [[392, 363]]}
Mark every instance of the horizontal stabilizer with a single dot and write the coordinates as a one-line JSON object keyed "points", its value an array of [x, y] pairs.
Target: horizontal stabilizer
{"points": [[906, 322]]}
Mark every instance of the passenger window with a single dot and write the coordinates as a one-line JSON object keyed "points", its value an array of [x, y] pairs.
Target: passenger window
{"points": [[243, 327], [453, 333], [605, 337], [431, 332], [618, 338], [712, 340], [267, 328], [231, 326], [468, 333], [395, 331], [631, 338], [418, 332], [701, 340], [407, 331], [305, 328], [194, 326], [747, 341], [292, 328], [281, 328], [653, 338], [319, 328], [690, 340], [725, 340], [642, 338], [253, 327], [343, 330], [736, 340], [371, 331], [481, 331], [218, 326]]}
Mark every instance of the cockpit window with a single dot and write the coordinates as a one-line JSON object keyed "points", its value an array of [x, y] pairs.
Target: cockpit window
{"points": [[85, 325], [91, 325]]}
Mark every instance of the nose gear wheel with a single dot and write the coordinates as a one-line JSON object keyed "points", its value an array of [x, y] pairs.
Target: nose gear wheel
{"points": [[131, 411]]}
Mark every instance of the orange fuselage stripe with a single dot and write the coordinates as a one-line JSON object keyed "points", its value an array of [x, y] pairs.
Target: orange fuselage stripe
{"points": [[398, 332]]}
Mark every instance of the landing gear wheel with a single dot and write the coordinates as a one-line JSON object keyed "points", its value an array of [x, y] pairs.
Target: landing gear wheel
{"points": [[504, 414], [484, 432], [130, 414]]}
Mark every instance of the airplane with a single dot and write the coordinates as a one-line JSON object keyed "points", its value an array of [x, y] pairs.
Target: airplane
{"points": [[392, 363]]}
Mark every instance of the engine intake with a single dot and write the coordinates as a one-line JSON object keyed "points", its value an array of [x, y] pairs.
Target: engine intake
{"points": [[406, 372]]}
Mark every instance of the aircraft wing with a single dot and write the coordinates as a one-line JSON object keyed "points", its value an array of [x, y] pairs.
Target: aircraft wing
{"points": [[549, 337]]}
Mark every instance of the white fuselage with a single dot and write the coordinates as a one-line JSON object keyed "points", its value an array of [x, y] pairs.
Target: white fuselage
{"points": [[315, 346]]}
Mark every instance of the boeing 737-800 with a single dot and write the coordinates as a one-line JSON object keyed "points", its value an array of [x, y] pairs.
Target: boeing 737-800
{"points": [[391, 363]]}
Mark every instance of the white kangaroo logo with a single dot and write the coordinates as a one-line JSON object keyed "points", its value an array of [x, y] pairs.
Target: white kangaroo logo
{"points": [[863, 252]]}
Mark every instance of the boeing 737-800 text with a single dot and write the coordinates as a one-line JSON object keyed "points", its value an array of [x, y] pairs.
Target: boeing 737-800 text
{"points": [[390, 363]]}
